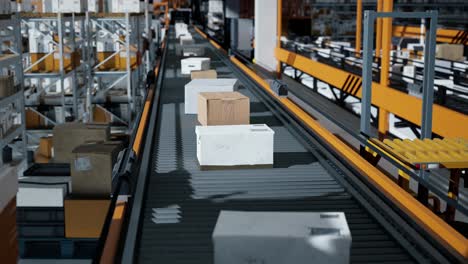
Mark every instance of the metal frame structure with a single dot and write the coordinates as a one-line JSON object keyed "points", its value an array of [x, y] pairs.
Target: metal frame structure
{"points": [[70, 36], [11, 62], [129, 26], [429, 62]]}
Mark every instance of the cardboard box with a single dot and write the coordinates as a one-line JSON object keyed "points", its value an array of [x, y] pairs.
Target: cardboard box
{"points": [[281, 237], [111, 63], [41, 196], [8, 233], [7, 86], [45, 147], [68, 136], [85, 218], [223, 108], [8, 185], [209, 74], [34, 120], [186, 40], [452, 52], [237, 145], [69, 6], [205, 85], [194, 64], [125, 6], [45, 65], [91, 169]]}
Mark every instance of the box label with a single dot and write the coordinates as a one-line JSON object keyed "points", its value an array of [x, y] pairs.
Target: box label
{"points": [[83, 164]]}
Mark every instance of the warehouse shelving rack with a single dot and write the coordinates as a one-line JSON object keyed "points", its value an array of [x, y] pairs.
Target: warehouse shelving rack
{"points": [[10, 62], [67, 26], [126, 31]]}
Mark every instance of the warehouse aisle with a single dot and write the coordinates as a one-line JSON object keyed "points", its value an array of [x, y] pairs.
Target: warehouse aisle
{"points": [[182, 202]]}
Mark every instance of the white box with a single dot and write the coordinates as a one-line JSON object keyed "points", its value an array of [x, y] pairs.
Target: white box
{"points": [[235, 145], [194, 87], [281, 237], [93, 6], [69, 6], [40, 197], [8, 185], [194, 64], [125, 6], [186, 40], [409, 71]]}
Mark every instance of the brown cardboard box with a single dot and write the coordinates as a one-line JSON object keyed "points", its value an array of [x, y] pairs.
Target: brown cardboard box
{"points": [[7, 86], [34, 120], [110, 63], [209, 74], [450, 52], [68, 136], [46, 65], [91, 169], [45, 147], [8, 234], [223, 108], [85, 218], [69, 60]]}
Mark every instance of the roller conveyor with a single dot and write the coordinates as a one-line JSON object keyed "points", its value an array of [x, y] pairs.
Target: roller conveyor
{"points": [[180, 203]]}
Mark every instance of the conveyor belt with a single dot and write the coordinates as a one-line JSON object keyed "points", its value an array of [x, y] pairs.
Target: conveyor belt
{"points": [[182, 203]]}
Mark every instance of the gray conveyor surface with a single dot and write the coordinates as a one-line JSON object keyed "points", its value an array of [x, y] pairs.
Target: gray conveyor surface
{"points": [[182, 202]]}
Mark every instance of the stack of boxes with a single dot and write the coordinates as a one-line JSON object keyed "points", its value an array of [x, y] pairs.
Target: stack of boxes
{"points": [[92, 156], [225, 137], [8, 230]]}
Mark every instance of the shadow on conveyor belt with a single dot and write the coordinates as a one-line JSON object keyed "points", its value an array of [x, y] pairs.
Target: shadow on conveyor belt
{"points": [[182, 202]]}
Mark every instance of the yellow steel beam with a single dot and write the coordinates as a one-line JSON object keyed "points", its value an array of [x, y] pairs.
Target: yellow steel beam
{"points": [[444, 233], [279, 30], [358, 27], [386, 43], [453, 36], [446, 122]]}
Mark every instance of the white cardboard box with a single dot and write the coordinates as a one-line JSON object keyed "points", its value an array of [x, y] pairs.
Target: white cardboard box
{"points": [[8, 185], [194, 87], [69, 6], [281, 237], [194, 64], [125, 6], [186, 39], [235, 145], [40, 197]]}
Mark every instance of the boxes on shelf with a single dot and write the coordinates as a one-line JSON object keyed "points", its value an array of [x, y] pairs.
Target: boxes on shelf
{"points": [[34, 120], [452, 52], [68, 136], [205, 85], [7, 86], [8, 185], [209, 74], [8, 233], [194, 64], [310, 237], [51, 63], [84, 218], [125, 6], [223, 108], [91, 169], [134, 59], [234, 145], [110, 63], [94, 6], [70, 6], [44, 151], [6, 123]]}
